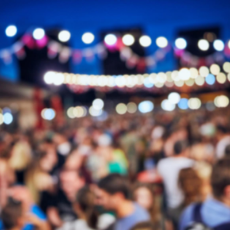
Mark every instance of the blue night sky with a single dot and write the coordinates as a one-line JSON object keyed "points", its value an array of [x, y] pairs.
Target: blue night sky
{"points": [[157, 18]]}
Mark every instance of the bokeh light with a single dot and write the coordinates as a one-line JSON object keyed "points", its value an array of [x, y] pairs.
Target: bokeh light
{"points": [[167, 105], [181, 43], [200, 80], [49, 77], [194, 103], [184, 74], [121, 108], [48, 114], [1, 118], [58, 79], [11, 31], [221, 101], [70, 112], [179, 83], [131, 107], [210, 79], [64, 36], [148, 83], [146, 106], [183, 103], [218, 45], [98, 104], [161, 42], [128, 39], [110, 39], [194, 72], [79, 111], [214, 69], [221, 78], [38, 34], [88, 38], [190, 82], [7, 118], [95, 112], [203, 44], [145, 41], [204, 71], [226, 67]]}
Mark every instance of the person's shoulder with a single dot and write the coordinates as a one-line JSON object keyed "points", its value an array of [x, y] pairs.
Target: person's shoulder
{"points": [[187, 216], [141, 212], [38, 212]]}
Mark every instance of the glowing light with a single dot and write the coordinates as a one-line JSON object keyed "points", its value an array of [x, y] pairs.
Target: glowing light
{"points": [[64, 36], [204, 71], [120, 81], [221, 78], [128, 39], [214, 69], [121, 108], [159, 84], [1, 119], [174, 98], [145, 41], [38, 33], [11, 31], [169, 76], [229, 44], [210, 79], [181, 43], [148, 83], [145, 106], [98, 104], [184, 74], [203, 44], [194, 72], [49, 77], [70, 112], [161, 42], [131, 107], [58, 79], [183, 103], [226, 67], [79, 111], [110, 39], [190, 82], [7, 118], [94, 112], [88, 38], [179, 83], [221, 101], [175, 75], [218, 45], [194, 103], [200, 80], [167, 105], [161, 77], [48, 114]]}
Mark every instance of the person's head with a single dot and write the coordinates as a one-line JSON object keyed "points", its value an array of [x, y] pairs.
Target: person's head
{"points": [[143, 195], [181, 147], [190, 184], [227, 151], [143, 226], [112, 190], [85, 206], [220, 180], [71, 182], [12, 215]]}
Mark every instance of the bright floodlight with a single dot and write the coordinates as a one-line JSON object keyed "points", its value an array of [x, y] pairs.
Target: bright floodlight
{"points": [[174, 97], [7, 118], [128, 39], [64, 36], [38, 33], [11, 31], [145, 106], [110, 39], [167, 105], [87, 38], [49, 77], [162, 42], [181, 43], [218, 45], [203, 44], [145, 41], [98, 104]]}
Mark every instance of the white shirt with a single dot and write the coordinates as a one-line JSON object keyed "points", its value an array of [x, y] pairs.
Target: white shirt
{"points": [[169, 169]]}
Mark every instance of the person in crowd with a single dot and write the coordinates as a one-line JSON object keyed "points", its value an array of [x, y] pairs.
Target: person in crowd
{"points": [[144, 226], [60, 209], [143, 194], [12, 216], [215, 211], [227, 151], [169, 169], [113, 193]]}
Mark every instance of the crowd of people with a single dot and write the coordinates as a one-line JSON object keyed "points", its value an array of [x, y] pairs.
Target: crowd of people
{"points": [[163, 171]]}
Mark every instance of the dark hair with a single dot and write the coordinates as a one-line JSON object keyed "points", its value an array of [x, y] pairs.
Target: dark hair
{"points": [[220, 177], [143, 226], [115, 183], [85, 200], [180, 146], [11, 213], [227, 150]]}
